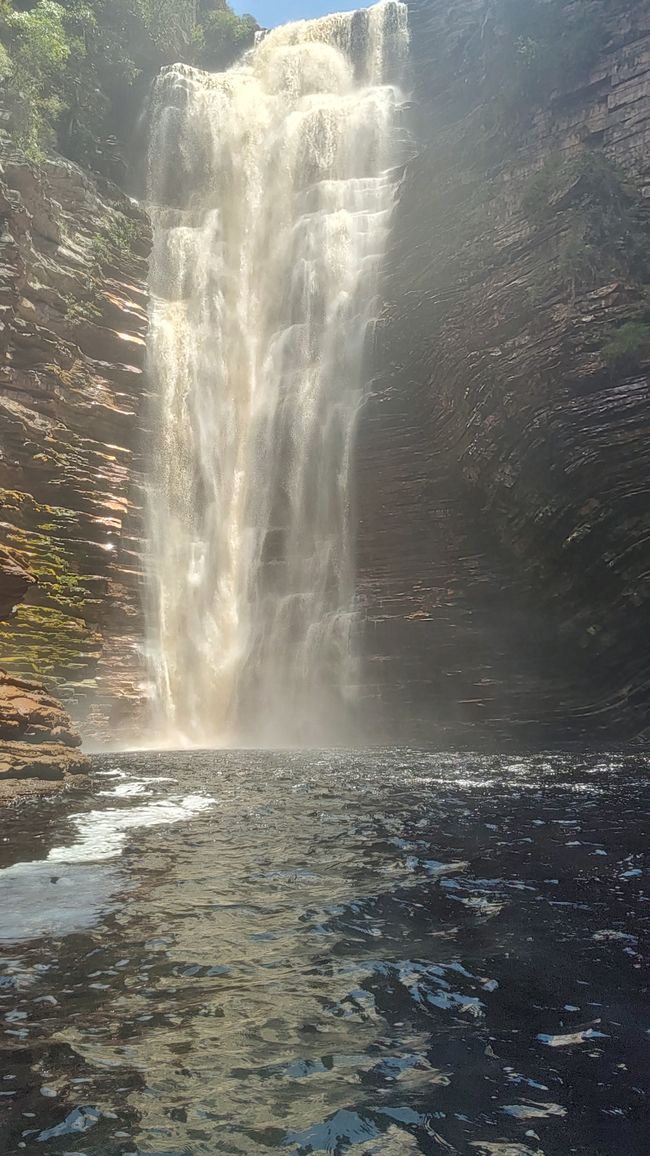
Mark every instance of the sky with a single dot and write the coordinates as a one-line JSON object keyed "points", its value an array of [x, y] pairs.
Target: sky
{"points": [[271, 12]]}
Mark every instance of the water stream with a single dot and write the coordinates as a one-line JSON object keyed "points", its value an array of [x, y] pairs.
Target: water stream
{"points": [[271, 188], [369, 954]]}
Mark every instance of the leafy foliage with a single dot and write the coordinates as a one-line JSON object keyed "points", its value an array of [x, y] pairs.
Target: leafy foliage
{"points": [[221, 33], [122, 236], [37, 49], [74, 71], [78, 309], [605, 229], [628, 347]]}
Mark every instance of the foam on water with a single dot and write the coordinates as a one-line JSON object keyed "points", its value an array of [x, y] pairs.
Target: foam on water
{"points": [[71, 888], [338, 952], [102, 834]]}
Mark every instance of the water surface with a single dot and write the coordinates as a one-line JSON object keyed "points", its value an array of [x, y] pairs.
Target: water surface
{"points": [[379, 953]]}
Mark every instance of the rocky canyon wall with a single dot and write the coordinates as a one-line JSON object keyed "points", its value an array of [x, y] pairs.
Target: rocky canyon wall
{"points": [[502, 465], [501, 469], [73, 264], [39, 746]]}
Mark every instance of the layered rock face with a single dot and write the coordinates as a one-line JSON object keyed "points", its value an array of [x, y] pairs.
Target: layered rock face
{"points": [[37, 739], [15, 581], [38, 744], [73, 260], [504, 526]]}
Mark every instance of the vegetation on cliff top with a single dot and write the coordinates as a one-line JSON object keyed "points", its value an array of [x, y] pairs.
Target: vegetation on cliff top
{"points": [[73, 72]]}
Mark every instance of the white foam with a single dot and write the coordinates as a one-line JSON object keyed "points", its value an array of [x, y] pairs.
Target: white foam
{"points": [[102, 834], [36, 901], [71, 888], [571, 1038]]}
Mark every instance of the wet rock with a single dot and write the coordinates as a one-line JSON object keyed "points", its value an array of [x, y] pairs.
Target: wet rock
{"points": [[37, 740], [72, 392], [15, 581]]}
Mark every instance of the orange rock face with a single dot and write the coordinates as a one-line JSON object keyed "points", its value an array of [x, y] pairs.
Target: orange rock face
{"points": [[39, 761], [37, 739], [29, 714]]}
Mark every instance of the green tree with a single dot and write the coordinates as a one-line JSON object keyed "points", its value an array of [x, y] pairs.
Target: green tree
{"points": [[75, 72], [221, 35], [38, 49]]}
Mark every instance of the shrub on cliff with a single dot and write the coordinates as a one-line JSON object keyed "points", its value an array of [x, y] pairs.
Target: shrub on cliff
{"points": [[539, 47], [628, 347], [517, 56], [606, 231]]}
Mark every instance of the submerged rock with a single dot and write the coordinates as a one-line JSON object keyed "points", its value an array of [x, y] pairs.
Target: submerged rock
{"points": [[79, 1120]]}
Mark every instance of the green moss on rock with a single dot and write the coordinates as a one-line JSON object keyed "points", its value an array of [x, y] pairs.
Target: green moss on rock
{"points": [[628, 347], [50, 635]]}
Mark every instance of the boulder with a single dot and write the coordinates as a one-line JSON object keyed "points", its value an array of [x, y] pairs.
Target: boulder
{"points": [[39, 748], [29, 714]]}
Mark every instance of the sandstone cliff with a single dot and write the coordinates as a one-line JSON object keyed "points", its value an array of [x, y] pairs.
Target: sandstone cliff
{"points": [[504, 539], [72, 329], [502, 455], [38, 744]]}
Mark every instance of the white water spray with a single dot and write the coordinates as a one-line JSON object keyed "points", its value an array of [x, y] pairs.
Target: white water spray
{"points": [[272, 186]]}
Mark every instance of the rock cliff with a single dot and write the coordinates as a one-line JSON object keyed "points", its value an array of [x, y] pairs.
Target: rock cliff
{"points": [[504, 526], [73, 259], [38, 744]]}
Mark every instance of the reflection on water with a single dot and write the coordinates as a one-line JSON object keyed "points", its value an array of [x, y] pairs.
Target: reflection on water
{"points": [[382, 953]]}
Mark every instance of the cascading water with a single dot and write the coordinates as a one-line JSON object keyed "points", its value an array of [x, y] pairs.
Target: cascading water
{"points": [[271, 188]]}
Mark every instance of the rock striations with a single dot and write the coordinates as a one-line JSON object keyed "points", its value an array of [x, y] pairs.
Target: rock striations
{"points": [[73, 315], [503, 455], [38, 744]]}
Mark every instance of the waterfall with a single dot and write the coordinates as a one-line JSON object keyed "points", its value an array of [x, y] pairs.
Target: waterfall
{"points": [[271, 187]]}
